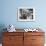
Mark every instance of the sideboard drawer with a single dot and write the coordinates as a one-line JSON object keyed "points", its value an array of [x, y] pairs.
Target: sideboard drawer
{"points": [[37, 39], [34, 33], [13, 33]]}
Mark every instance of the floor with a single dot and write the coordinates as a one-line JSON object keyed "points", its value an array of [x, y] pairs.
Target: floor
{"points": [[0, 44]]}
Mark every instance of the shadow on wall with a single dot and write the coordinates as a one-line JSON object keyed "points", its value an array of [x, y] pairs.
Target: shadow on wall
{"points": [[2, 26]]}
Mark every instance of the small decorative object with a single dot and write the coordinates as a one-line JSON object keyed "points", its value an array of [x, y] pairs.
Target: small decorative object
{"points": [[26, 30], [26, 14], [11, 28], [32, 30]]}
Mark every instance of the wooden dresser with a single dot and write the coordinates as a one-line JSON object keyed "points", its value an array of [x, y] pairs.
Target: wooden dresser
{"points": [[23, 39]]}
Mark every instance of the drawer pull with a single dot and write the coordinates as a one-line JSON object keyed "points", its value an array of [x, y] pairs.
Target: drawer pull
{"points": [[10, 38], [33, 39]]}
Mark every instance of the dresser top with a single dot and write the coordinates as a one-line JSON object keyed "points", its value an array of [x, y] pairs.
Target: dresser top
{"points": [[22, 30]]}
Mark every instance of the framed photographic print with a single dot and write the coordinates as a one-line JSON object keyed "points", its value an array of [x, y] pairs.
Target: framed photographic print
{"points": [[26, 14]]}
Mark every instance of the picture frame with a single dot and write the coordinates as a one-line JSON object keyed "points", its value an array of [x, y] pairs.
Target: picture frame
{"points": [[26, 14]]}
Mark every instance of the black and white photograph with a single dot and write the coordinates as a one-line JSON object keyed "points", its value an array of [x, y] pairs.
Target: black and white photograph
{"points": [[26, 14]]}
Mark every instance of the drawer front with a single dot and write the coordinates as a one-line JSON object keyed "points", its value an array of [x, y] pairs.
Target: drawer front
{"points": [[37, 39], [12, 39], [13, 33], [27, 41], [12, 44], [34, 33], [37, 45]]}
